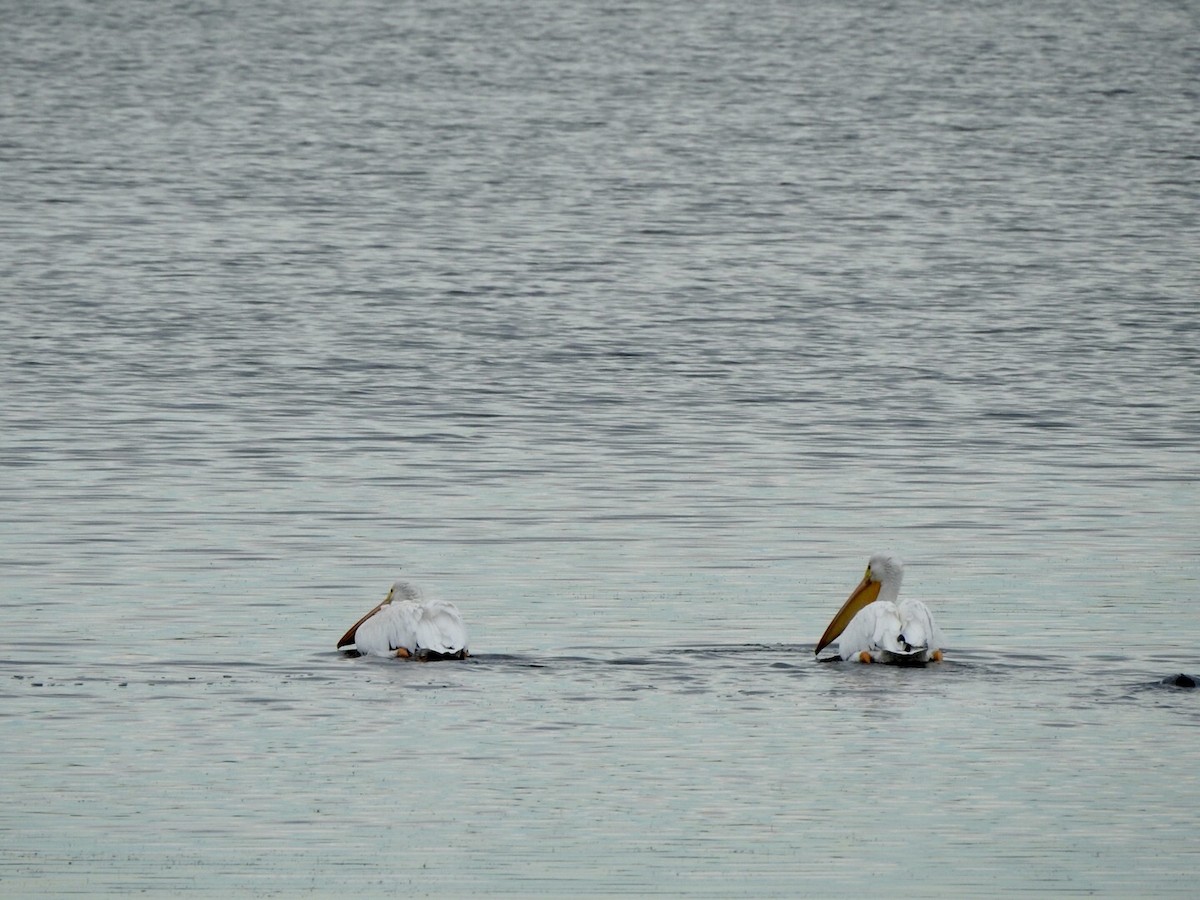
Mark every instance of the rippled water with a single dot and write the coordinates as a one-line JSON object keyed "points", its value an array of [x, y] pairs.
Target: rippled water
{"points": [[634, 329]]}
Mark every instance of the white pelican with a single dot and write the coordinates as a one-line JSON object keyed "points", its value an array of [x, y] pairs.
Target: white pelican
{"points": [[406, 625], [875, 628]]}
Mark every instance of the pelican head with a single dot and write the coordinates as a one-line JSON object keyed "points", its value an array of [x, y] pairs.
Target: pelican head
{"points": [[881, 581]]}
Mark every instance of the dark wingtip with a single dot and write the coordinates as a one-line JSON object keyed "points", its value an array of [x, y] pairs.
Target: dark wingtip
{"points": [[423, 655]]}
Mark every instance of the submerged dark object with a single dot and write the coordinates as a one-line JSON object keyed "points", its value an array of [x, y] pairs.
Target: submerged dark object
{"points": [[1181, 680]]}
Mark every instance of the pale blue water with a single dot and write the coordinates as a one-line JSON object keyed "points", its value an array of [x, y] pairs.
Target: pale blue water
{"points": [[634, 329]]}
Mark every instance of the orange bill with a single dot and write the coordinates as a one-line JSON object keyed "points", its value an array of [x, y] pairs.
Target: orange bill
{"points": [[863, 595], [348, 637]]}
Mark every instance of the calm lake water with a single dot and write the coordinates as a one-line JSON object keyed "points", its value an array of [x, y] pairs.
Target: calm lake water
{"points": [[635, 329]]}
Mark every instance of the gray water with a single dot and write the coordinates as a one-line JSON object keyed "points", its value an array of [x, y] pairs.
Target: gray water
{"points": [[634, 328]]}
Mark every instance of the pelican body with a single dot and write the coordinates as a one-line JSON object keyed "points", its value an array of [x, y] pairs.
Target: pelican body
{"points": [[874, 626], [408, 626]]}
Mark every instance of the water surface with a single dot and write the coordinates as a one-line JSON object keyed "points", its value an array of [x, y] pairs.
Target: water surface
{"points": [[635, 329]]}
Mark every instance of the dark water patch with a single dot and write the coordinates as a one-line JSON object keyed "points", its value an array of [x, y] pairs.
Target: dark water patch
{"points": [[1174, 695], [507, 659], [715, 649], [633, 661]]}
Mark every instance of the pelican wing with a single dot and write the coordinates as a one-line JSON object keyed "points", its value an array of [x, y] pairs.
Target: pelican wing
{"points": [[917, 628], [393, 625], [869, 627], [894, 632], [440, 628]]}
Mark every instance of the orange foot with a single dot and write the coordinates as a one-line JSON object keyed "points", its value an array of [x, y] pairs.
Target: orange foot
{"points": [[936, 656], [865, 657], [403, 653]]}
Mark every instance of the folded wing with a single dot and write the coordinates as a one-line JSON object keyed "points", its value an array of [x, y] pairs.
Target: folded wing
{"points": [[900, 629], [440, 628]]}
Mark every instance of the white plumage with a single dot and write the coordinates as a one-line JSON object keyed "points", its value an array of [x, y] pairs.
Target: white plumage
{"points": [[407, 625], [875, 626]]}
